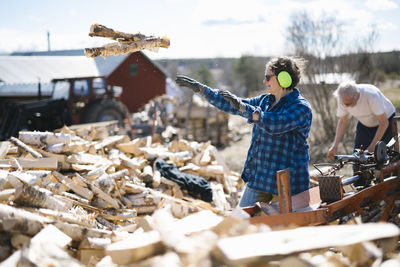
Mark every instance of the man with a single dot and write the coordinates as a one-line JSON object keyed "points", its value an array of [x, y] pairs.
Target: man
{"points": [[281, 120], [370, 107]]}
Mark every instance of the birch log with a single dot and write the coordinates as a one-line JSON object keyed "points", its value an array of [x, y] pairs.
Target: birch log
{"points": [[21, 221], [47, 138], [27, 195], [115, 49], [25, 147], [103, 31]]}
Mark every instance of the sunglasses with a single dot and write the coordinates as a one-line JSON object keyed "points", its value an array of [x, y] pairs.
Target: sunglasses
{"points": [[268, 76]]}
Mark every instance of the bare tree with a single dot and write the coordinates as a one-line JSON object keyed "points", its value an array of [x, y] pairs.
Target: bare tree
{"points": [[330, 61], [318, 41]]}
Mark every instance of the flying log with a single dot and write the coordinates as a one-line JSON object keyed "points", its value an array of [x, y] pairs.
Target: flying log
{"points": [[126, 42]]}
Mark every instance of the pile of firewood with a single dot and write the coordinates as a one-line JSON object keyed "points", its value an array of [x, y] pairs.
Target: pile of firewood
{"points": [[89, 196]]}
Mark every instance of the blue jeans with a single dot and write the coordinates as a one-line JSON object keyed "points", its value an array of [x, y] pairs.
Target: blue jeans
{"points": [[248, 198], [364, 136]]}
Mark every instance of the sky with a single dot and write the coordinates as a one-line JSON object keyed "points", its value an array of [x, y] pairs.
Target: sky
{"points": [[196, 28]]}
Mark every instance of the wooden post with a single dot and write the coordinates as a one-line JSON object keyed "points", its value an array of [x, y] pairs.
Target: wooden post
{"points": [[395, 132], [284, 192]]}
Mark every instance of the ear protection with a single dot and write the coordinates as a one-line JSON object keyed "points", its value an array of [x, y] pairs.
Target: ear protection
{"points": [[284, 79]]}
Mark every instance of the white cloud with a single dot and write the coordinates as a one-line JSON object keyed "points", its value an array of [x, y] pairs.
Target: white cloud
{"points": [[381, 4]]}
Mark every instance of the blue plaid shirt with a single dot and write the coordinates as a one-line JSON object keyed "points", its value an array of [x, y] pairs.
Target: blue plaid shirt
{"points": [[279, 139]]}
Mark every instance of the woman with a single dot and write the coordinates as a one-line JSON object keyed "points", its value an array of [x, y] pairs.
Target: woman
{"points": [[281, 121]]}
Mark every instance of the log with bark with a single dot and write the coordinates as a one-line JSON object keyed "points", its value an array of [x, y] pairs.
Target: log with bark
{"points": [[126, 43]]}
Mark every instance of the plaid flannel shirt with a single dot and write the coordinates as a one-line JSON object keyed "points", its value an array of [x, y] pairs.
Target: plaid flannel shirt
{"points": [[279, 139]]}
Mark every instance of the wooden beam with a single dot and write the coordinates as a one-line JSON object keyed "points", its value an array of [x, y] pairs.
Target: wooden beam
{"points": [[284, 192], [263, 247]]}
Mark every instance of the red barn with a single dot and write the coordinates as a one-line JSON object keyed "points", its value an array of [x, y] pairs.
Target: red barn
{"points": [[140, 78]]}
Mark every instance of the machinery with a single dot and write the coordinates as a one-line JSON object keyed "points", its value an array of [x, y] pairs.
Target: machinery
{"points": [[73, 101], [371, 192]]}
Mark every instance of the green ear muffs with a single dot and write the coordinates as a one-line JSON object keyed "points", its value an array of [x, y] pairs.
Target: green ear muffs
{"points": [[284, 79]]}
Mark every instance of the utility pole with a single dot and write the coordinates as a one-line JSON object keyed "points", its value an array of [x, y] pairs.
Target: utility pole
{"points": [[48, 41]]}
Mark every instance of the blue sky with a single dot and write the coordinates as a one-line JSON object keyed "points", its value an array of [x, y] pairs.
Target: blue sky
{"points": [[196, 28]]}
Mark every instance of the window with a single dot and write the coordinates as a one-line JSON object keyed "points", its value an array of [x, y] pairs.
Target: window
{"points": [[81, 88], [99, 86], [133, 69]]}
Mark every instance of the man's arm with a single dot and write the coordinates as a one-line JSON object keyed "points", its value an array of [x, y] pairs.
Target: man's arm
{"points": [[383, 124], [340, 129]]}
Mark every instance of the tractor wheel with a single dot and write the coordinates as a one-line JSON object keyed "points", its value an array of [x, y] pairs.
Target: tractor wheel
{"points": [[105, 110]]}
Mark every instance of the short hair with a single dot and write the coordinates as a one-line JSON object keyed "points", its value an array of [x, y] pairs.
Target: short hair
{"points": [[293, 65], [348, 88]]}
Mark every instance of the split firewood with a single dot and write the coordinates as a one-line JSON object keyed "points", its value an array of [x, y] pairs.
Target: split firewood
{"points": [[156, 178], [81, 191], [147, 174], [47, 248], [6, 194], [133, 146], [92, 247], [120, 215], [24, 147], [38, 163], [105, 182], [126, 43], [99, 193], [246, 249], [87, 158], [20, 240], [111, 140], [136, 247], [24, 177], [68, 217], [4, 148], [78, 232], [76, 198], [61, 158]]}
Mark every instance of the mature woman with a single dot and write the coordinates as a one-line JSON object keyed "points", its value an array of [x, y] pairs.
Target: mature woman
{"points": [[281, 121]]}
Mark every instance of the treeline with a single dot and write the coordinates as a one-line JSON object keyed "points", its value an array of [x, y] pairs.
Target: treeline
{"points": [[244, 75]]}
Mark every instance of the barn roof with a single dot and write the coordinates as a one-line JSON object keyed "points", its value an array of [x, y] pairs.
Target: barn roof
{"points": [[21, 72]]}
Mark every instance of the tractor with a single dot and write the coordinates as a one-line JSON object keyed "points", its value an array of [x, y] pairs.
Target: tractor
{"points": [[72, 101]]}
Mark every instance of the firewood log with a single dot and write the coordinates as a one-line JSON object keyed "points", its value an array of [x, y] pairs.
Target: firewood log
{"points": [[114, 49], [6, 194], [25, 147], [111, 140], [4, 148], [27, 195], [38, 163], [81, 191], [20, 221], [137, 247], [46, 138], [133, 146], [99, 193], [103, 31], [19, 240], [246, 249], [78, 233]]}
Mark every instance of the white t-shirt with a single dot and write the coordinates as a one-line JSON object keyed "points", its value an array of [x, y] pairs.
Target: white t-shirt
{"points": [[370, 104]]}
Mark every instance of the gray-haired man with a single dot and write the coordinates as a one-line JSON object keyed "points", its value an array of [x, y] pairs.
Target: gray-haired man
{"points": [[370, 107]]}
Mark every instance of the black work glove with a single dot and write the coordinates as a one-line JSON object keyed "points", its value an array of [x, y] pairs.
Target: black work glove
{"points": [[235, 101], [190, 83]]}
